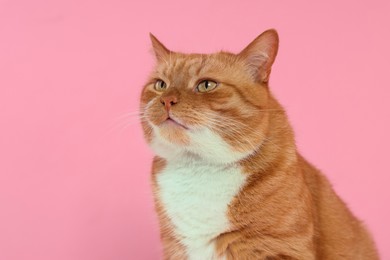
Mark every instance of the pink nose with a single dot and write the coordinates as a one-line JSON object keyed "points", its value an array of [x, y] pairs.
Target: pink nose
{"points": [[168, 101]]}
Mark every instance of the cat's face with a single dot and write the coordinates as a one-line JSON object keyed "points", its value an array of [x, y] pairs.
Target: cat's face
{"points": [[210, 107]]}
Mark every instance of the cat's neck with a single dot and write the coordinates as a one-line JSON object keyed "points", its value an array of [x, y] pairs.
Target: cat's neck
{"points": [[188, 159]]}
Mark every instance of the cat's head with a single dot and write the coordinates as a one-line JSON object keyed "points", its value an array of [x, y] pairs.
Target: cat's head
{"points": [[209, 106]]}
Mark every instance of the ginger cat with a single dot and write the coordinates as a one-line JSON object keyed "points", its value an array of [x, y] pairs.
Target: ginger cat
{"points": [[227, 178]]}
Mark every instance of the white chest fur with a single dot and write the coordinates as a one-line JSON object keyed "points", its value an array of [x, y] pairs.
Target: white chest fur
{"points": [[196, 198]]}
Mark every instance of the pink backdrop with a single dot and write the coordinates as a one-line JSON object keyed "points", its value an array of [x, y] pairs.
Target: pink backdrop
{"points": [[74, 174]]}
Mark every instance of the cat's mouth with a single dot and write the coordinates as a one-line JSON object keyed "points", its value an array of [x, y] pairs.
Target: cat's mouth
{"points": [[169, 121]]}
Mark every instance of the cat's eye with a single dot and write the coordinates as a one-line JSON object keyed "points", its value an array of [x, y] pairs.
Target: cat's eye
{"points": [[160, 85], [206, 85]]}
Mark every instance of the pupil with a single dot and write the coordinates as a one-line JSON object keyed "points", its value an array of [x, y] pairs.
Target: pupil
{"points": [[206, 84]]}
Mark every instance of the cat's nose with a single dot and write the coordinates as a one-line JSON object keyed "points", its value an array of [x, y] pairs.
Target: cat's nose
{"points": [[168, 101]]}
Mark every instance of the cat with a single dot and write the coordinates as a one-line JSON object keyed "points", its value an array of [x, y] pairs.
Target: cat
{"points": [[227, 178]]}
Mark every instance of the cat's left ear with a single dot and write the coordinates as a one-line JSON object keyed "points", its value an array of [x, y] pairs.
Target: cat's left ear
{"points": [[260, 54], [161, 52]]}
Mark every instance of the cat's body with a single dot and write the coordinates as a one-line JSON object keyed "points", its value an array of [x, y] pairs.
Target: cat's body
{"points": [[228, 181]]}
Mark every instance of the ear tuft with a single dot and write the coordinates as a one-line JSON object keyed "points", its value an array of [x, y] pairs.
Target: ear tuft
{"points": [[260, 54], [159, 49]]}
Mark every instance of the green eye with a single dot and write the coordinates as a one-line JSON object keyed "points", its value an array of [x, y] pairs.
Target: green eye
{"points": [[206, 85], [160, 85]]}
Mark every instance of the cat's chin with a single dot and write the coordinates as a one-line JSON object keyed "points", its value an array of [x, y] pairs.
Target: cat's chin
{"points": [[172, 133]]}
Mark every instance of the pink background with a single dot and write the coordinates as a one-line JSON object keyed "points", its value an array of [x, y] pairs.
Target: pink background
{"points": [[74, 175]]}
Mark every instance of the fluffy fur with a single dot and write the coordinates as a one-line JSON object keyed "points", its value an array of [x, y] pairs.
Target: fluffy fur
{"points": [[228, 180]]}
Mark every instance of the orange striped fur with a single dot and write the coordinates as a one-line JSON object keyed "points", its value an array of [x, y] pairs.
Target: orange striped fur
{"points": [[228, 180]]}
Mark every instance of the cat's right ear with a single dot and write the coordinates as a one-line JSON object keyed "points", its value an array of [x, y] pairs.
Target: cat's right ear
{"points": [[260, 54], [161, 52]]}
